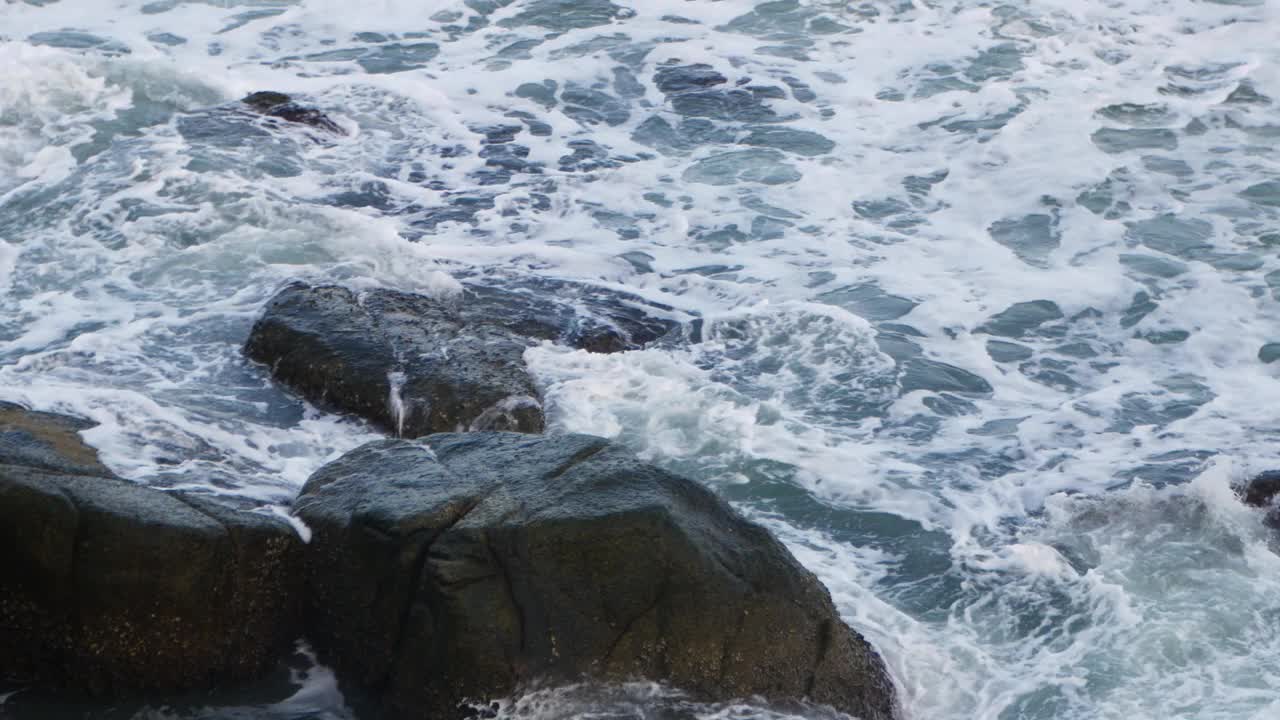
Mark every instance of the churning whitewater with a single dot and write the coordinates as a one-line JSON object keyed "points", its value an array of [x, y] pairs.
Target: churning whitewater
{"points": [[989, 293]]}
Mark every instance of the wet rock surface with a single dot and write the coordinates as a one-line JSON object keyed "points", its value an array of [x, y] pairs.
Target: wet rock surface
{"points": [[415, 365], [279, 105], [455, 568], [464, 567], [112, 588], [1263, 491]]}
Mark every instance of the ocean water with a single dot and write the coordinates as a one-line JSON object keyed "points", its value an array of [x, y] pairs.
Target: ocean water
{"points": [[991, 291]]}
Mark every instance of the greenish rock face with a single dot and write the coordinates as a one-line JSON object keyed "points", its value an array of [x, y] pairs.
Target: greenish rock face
{"points": [[469, 565]]}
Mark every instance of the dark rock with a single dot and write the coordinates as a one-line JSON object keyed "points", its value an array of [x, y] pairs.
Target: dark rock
{"points": [[279, 105], [110, 587], [399, 360], [467, 567], [416, 365], [580, 316], [1262, 490]]}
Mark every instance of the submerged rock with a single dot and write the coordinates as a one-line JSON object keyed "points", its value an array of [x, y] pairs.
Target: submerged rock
{"points": [[279, 105], [416, 365], [110, 587], [1262, 492], [47, 441], [466, 567]]}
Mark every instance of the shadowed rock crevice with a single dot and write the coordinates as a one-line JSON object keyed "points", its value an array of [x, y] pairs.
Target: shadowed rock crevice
{"points": [[519, 645], [1262, 490], [648, 611], [419, 568], [263, 575], [361, 584], [824, 644]]}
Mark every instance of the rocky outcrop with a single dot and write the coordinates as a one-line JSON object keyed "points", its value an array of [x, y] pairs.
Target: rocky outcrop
{"points": [[415, 365], [463, 567], [279, 105], [111, 587], [1263, 491]]}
